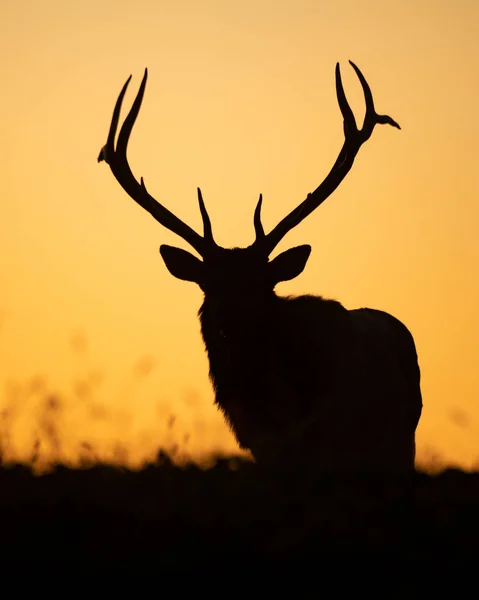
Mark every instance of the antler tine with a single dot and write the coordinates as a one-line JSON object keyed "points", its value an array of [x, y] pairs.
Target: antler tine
{"points": [[207, 229], [371, 118], [116, 158], [354, 138], [258, 226]]}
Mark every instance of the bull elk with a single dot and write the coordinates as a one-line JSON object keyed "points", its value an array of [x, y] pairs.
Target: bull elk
{"points": [[296, 377]]}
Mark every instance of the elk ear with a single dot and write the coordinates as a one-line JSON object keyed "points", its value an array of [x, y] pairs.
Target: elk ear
{"points": [[181, 264], [289, 264]]}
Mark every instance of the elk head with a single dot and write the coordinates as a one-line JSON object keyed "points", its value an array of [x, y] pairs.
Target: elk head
{"points": [[236, 281]]}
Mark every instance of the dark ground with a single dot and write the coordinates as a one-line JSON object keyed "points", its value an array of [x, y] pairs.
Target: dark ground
{"points": [[233, 519]]}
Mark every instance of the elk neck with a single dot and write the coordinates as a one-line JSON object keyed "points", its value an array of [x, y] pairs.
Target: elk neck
{"points": [[295, 336]]}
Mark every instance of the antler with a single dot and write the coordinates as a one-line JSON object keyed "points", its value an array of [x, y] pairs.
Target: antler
{"points": [[118, 162], [354, 139]]}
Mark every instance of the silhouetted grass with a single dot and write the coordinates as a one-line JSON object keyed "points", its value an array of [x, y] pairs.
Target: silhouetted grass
{"points": [[228, 520], [101, 518]]}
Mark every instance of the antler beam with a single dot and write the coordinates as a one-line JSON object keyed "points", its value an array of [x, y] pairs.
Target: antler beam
{"points": [[117, 160], [354, 139]]}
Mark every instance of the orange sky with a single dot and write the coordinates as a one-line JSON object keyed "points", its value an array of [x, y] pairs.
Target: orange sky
{"points": [[240, 100]]}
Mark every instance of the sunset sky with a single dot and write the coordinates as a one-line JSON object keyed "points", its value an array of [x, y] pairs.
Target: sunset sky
{"points": [[240, 100]]}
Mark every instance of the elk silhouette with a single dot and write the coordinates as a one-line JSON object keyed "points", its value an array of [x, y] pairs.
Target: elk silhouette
{"points": [[299, 378]]}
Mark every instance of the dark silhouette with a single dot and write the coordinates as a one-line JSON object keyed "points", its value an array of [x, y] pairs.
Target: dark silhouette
{"points": [[103, 520], [300, 379]]}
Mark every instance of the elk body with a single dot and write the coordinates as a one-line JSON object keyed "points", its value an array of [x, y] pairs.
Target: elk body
{"points": [[297, 378]]}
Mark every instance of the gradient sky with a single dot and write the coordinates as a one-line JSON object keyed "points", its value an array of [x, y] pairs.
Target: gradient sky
{"points": [[240, 100]]}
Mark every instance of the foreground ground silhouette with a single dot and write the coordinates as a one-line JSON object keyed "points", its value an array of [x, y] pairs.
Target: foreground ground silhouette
{"points": [[105, 520]]}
